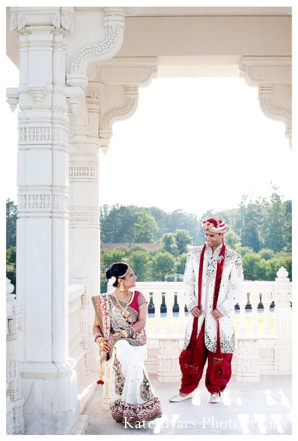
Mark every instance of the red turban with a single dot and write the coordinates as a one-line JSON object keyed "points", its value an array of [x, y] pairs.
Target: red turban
{"points": [[214, 225]]}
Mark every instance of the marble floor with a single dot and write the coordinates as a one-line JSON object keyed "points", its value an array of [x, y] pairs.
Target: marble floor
{"points": [[262, 408]]}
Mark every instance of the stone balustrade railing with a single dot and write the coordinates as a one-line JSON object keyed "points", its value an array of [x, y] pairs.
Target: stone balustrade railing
{"points": [[262, 346], [78, 322]]}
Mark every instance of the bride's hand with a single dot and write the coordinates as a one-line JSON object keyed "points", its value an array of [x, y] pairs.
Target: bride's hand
{"points": [[104, 344]]}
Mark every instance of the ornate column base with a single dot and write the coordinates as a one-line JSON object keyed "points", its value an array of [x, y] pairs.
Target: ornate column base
{"points": [[10, 428], [50, 392]]}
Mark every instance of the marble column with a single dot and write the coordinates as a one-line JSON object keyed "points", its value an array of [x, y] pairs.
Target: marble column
{"points": [[49, 384]]}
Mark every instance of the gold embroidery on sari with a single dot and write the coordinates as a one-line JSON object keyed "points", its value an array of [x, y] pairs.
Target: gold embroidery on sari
{"points": [[119, 378], [146, 392]]}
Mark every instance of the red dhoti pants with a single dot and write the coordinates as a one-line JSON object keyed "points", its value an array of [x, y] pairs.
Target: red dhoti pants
{"points": [[191, 377]]}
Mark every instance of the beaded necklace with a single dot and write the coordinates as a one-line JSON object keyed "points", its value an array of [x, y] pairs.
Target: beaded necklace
{"points": [[125, 313]]}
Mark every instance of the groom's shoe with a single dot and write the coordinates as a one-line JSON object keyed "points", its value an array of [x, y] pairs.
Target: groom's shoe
{"points": [[178, 398], [215, 398]]}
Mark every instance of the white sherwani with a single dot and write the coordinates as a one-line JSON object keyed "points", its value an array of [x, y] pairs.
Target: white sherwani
{"points": [[229, 294]]}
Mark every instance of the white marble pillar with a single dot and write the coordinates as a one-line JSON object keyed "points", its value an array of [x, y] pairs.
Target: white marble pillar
{"points": [[48, 380], [84, 233]]}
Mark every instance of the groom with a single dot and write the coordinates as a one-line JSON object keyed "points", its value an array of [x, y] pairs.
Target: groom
{"points": [[212, 287]]}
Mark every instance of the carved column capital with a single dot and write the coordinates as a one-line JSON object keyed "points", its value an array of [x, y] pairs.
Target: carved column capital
{"points": [[122, 79], [273, 111], [12, 98], [273, 77], [74, 96], [94, 97], [266, 70], [99, 50], [21, 17], [119, 114]]}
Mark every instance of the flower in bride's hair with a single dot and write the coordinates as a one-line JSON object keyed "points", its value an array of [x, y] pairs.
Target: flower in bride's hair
{"points": [[113, 279]]}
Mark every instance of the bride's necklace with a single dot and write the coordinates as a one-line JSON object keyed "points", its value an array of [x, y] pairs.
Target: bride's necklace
{"points": [[125, 313]]}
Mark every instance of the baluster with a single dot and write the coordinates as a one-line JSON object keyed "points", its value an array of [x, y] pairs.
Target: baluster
{"points": [[254, 301], [146, 294], [169, 298], [242, 319], [181, 303], [157, 298], [266, 300]]}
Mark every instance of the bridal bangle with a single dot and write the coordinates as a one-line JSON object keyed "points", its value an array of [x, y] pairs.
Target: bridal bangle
{"points": [[97, 336]]}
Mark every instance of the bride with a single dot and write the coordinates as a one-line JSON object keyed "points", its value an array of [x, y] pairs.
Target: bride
{"points": [[119, 330]]}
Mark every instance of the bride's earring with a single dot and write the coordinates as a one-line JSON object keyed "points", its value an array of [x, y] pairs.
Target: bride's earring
{"points": [[121, 289]]}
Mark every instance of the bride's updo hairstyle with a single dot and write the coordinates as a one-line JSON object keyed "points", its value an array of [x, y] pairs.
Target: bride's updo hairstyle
{"points": [[118, 269]]}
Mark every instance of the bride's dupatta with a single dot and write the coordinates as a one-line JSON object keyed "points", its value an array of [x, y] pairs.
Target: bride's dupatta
{"points": [[104, 306], [102, 310]]}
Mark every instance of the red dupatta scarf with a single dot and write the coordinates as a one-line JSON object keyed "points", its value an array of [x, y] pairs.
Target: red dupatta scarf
{"points": [[190, 351]]}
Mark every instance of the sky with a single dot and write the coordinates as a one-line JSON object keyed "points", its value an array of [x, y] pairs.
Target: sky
{"points": [[196, 144]]}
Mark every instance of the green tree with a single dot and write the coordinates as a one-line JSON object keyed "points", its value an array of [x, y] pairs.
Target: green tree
{"points": [[146, 229], [11, 255], [266, 254], [288, 227], [169, 245], [161, 218], [274, 264], [183, 239], [139, 260], [11, 223], [252, 267], [163, 265], [252, 221], [275, 223], [180, 220], [244, 250], [107, 257], [232, 240], [117, 223], [180, 266]]}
